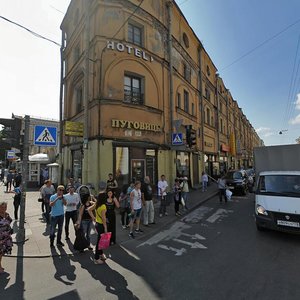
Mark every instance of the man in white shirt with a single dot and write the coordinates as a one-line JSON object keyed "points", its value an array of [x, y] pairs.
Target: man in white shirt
{"points": [[73, 199], [162, 193]]}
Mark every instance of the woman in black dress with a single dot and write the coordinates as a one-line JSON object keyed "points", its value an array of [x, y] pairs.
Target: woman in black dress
{"points": [[111, 204]]}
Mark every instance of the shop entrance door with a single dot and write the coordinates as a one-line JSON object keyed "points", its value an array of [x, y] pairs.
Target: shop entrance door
{"points": [[138, 169]]}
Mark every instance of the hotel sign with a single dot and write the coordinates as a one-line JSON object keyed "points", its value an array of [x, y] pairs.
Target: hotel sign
{"points": [[135, 125], [121, 47]]}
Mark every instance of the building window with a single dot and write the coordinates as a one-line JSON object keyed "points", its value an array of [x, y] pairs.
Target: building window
{"points": [[207, 94], [133, 90], [186, 101], [221, 106], [193, 109], [207, 71], [185, 40], [221, 126], [135, 35], [76, 53], [79, 99], [207, 116], [178, 100], [187, 72]]}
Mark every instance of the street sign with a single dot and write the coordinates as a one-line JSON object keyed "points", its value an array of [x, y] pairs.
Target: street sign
{"points": [[177, 139], [10, 154], [45, 136]]}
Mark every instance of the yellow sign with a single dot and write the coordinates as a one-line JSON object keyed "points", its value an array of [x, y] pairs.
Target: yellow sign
{"points": [[135, 125], [232, 144], [73, 128]]}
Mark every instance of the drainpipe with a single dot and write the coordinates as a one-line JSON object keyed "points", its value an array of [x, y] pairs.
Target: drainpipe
{"points": [[171, 100], [218, 118], [60, 174], [201, 107], [86, 96]]}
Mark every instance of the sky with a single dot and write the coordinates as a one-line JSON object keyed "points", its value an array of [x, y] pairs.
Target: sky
{"points": [[265, 83]]}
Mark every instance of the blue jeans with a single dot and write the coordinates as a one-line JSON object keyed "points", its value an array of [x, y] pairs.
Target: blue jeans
{"points": [[204, 186], [58, 220], [184, 195], [86, 228]]}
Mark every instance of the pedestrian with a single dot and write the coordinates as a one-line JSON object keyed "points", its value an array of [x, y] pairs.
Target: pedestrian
{"points": [[9, 180], [17, 200], [124, 201], [177, 196], [222, 188], [17, 179], [47, 191], [136, 208], [101, 225], [112, 184], [111, 203], [57, 203], [147, 196], [185, 191], [5, 233], [73, 201], [85, 219], [204, 181], [162, 194]]}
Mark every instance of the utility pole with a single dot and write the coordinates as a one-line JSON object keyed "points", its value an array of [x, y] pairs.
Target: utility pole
{"points": [[20, 238]]}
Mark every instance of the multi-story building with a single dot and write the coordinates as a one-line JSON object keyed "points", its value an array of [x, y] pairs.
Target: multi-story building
{"points": [[135, 78]]}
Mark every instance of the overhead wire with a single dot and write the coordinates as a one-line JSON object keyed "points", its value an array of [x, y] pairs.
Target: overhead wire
{"points": [[30, 31], [260, 45], [291, 88]]}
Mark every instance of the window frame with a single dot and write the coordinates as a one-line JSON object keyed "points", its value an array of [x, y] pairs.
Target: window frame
{"points": [[135, 27], [186, 100], [140, 79]]}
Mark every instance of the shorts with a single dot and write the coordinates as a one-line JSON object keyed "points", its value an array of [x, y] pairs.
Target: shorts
{"points": [[136, 214]]}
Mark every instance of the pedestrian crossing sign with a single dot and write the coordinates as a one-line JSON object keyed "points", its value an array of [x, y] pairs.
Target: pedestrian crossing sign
{"points": [[177, 139], [45, 136]]}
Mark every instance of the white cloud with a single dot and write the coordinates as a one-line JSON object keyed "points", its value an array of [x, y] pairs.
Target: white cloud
{"points": [[265, 131], [296, 120]]}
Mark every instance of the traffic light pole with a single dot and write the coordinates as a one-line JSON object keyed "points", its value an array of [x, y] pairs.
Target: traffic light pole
{"points": [[20, 237]]}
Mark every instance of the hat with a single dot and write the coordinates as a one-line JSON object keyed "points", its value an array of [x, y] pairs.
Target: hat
{"points": [[185, 178], [102, 185], [61, 187]]}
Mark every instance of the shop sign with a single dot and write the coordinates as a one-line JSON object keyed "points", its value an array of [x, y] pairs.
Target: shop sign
{"points": [[74, 128], [121, 47], [10, 154], [225, 148], [207, 144], [135, 125]]}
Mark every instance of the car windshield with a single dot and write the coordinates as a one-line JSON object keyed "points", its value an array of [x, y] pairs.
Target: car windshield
{"points": [[233, 175], [286, 185]]}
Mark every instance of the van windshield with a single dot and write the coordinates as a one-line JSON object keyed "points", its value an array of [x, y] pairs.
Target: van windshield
{"points": [[282, 185]]}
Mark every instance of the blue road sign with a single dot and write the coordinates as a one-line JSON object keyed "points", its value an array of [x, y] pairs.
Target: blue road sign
{"points": [[177, 139], [45, 136]]}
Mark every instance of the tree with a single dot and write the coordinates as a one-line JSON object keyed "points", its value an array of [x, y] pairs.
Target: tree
{"points": [[298, 140]]}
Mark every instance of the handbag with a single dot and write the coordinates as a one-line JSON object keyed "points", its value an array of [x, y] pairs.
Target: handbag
{"points": [[104, 241], [80, 242], [40, 199]]}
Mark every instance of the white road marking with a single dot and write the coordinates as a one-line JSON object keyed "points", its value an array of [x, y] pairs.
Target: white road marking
{"points": [[195, 236], [219, 213], [192, 245], [130, 253], [197, 215], [178, 252]]}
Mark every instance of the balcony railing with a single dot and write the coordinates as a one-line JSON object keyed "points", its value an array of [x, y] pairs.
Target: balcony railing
{"points": [[133, 97]]}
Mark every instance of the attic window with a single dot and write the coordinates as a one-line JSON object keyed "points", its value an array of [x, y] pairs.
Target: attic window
{"points": [[185, 40]]}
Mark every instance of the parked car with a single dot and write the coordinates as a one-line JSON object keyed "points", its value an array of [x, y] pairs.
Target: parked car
{"points": [[237, 182]]}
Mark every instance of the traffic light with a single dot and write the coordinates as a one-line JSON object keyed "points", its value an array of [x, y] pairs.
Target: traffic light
{"points": [[190, 136]]}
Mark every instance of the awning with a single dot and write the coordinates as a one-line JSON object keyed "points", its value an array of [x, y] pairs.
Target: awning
{"points": [[39, 157]]}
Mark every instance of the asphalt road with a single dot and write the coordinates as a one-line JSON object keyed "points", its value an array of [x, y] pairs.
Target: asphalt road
{"points": [[214, 252]]}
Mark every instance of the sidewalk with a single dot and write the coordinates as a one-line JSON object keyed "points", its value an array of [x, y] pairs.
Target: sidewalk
{"points": [[37, 231]]}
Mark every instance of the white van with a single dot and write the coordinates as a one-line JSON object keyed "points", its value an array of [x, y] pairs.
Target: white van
{"points": [[277, 201]]}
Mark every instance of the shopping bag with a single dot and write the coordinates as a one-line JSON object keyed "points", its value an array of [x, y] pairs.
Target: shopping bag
{"points": [[228, 194], [182, 202], [104, 240], [80, 242]]}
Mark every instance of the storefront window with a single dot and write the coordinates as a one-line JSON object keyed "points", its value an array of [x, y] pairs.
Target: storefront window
{"points": [[122, 165], [77, 164], [182, 164], [151, 165]]}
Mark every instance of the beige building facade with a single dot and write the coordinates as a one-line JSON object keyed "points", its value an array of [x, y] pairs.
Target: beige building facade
{"points": [[135, 77]]}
